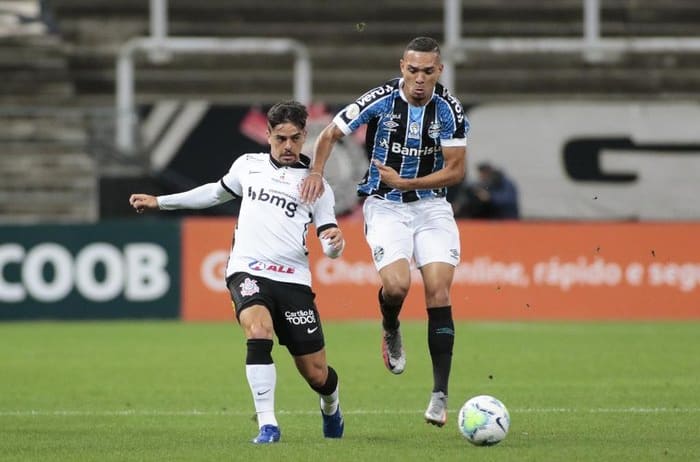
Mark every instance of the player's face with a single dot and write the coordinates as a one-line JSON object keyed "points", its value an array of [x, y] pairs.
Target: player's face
{"points": [[286, 140], [420, 71]]}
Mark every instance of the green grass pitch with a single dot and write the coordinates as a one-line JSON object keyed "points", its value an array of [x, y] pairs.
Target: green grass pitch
{"points": [[170, 391]]}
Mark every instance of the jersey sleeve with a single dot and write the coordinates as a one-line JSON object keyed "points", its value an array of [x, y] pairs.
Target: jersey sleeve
{"points": [[454, 125], [324, 209], [364, 109], [201, 197], [231, 182]]}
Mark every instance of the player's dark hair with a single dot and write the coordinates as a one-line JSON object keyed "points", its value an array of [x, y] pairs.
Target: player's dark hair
{"points": [[423, 44], [288, 111]]}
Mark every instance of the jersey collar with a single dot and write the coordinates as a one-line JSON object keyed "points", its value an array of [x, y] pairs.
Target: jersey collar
{"points": [[403, 96], [304, 162]]}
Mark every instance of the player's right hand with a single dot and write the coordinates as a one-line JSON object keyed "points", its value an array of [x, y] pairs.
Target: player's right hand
{"points": [[141, 202]]}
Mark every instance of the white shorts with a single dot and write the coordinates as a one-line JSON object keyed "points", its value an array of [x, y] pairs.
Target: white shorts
{"points": [[423, 230]]}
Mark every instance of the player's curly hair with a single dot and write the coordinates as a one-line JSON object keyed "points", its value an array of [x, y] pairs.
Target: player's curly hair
{"points": [[288, 111], [423, 44]]}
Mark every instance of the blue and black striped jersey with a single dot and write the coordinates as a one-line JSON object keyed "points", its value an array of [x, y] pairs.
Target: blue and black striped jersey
{"points": [[407, 138]]}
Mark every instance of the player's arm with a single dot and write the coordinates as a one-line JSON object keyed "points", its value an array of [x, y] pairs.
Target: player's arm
{"points": [[312, 187], [200, 197], [326, 223], [452, 173]]}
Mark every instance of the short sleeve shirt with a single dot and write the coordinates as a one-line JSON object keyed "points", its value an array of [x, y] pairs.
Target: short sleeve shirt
{"points": [[405, 137]]}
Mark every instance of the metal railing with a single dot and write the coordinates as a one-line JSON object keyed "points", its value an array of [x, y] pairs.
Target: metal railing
{"points": [[160, 46], [591, 45]]}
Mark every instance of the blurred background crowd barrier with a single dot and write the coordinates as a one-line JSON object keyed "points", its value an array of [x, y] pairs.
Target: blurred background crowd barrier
{"points": [[589, 106]]}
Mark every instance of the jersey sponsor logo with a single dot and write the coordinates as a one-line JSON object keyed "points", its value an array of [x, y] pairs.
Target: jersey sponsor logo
{"points": [[456, 106], [289, 206], [391, 125], [249, 287], [372, 95], [300, 317], [396, 148], [257, 265], [390, 121]]}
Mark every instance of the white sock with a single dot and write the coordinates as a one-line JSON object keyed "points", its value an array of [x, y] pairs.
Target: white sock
{"points": [[262, 379], [329, 403]]}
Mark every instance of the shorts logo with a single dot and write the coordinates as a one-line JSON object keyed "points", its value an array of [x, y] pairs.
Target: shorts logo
{"points": [[300, 317], [309, 330], [454, 253], [378, 253], [249, 287]]}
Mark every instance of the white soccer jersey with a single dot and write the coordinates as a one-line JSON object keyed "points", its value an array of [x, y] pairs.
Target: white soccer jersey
{"points": [[271, 235]]}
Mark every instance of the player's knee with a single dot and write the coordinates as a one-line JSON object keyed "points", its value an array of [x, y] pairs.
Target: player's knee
{"points": [[438, 296], [395, 292], [316, 376], [258, 330]]}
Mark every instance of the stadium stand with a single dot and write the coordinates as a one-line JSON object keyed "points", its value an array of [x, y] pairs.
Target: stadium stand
{"points": [[56, 81], [46, 172], [355, 44]]}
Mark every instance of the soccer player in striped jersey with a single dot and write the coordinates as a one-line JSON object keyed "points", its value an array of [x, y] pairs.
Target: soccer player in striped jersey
{"points": [[416, 142], [268, 272]]}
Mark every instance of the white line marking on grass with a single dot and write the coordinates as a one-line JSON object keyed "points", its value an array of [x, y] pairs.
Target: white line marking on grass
{"points": [[197, 412]]}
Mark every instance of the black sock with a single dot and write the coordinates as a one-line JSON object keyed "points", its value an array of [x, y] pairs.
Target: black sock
{"points": [[259, 351], [390, 314], [330, 385], [441, 337]]}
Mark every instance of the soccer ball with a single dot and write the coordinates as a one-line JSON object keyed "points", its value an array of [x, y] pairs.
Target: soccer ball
{"points": [[483, 420]]}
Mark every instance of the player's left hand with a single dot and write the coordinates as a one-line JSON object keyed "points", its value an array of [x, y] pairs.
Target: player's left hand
{"points": [[388, 175], [332, 242], [334, 237], [311, 187]]}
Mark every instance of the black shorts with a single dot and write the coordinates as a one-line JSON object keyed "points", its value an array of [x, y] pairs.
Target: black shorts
{"points": [[294, 314]]}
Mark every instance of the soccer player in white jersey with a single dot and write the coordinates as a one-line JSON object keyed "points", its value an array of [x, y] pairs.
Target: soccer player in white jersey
{"points": [[268, 270], [416, 142]]}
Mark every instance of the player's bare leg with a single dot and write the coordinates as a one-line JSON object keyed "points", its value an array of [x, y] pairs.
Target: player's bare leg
{"points": [[260, 370], [323, 379]]}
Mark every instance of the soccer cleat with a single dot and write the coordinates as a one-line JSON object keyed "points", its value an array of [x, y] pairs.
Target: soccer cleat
{"points": [[392, 351], [268, 434], [333, 425], [436, 414]]}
